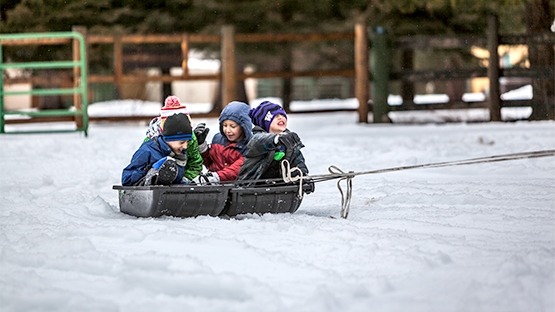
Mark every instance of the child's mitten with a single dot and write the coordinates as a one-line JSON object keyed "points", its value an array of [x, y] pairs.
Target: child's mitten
{"points": [[290, 140], [201, 132], [207, 178]]}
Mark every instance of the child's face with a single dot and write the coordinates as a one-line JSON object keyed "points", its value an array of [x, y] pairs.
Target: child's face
{"points": [[278, 125], [178, 146], [232, 130]]}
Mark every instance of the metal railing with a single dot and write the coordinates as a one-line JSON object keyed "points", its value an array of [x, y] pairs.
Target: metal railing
{"points": [[79, 90]]}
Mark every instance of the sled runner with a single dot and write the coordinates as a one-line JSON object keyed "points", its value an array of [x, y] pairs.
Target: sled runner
{"points": [[213, 200], [173, 200]]}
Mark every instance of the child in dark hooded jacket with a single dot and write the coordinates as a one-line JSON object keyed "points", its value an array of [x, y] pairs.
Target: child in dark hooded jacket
{"points": [[224, 157], [271, 143]]}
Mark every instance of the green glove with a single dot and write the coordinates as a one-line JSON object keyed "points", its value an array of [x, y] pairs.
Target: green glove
{"points": [[279, 156]]}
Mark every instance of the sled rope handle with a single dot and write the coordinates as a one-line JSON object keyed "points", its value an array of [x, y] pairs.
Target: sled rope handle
{"points": [[487, 159], [345, 199], [286, 176], [286, 172], [336, 173]]}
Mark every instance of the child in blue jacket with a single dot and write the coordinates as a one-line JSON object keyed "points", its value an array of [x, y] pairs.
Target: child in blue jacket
{"points": [[162, 159]]}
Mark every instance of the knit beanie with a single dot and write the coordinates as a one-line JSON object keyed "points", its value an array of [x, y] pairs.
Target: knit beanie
{"points": [[177, 128], [263, 114], [172, 105]]}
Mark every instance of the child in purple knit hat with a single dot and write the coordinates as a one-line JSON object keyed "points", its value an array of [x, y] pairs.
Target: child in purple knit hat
{"points": [[271, 143], [264, 114]]}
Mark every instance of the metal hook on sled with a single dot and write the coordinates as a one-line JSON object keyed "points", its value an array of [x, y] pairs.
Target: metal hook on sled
{"points": [[286, 172], [345, 199]]}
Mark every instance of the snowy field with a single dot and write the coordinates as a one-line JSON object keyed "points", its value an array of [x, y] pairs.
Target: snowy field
{"points": [[464, 238]]}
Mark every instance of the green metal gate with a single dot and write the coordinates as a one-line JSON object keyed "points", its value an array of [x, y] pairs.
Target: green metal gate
{"points": [[79, 65]]}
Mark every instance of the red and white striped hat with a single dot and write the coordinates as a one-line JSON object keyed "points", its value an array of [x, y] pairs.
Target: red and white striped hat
{"points": [[172, 105]]}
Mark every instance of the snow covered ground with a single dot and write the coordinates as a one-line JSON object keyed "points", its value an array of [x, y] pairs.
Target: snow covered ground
{"points": [[464, 238]]}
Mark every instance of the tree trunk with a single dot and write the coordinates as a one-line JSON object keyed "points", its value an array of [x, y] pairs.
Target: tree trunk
{"points": [[455, 87], [287, 61], [539, 16], [166, 86], [407, 87]]}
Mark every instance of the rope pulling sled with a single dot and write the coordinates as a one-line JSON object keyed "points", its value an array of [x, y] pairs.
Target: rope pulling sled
{"points": [[336, 173]]}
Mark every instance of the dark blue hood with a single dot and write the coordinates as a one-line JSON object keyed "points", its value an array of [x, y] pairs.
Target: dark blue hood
{"points": [[238, 112]]}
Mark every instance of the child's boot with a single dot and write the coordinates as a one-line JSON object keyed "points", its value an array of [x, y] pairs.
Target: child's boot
{"points": [[167, 173]]}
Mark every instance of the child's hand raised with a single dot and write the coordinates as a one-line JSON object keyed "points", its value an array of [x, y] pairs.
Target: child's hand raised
{"points": [[290, 140], [201, 132]]}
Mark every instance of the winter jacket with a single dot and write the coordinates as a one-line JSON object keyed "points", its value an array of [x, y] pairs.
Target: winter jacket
{"points": [[194, 160], [225, 157], [148, 153], [259, 160]]}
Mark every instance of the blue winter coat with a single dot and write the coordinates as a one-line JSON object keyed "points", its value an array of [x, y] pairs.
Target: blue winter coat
{"points": [[148, 153]]}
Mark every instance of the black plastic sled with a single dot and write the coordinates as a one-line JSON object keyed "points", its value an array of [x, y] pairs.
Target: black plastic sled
{"points": [[213, 200]]}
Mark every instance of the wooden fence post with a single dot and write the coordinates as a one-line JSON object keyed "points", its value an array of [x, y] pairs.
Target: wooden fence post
{"points": [[185, 55], [361, 71], [493, 68], [77, 100], [407, 87], [229, 75], [380, 75], [2, 122], [118, 64]]}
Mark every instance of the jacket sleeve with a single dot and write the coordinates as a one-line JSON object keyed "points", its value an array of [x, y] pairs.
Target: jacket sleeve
{"points": [[298, 161], [259, 149], [207, 157], [194, 160], [154, 128], [179, 178], [137, 168], [261, 144]]}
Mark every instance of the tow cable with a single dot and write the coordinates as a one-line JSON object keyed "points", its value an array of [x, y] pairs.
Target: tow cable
{"points": [[336, 173]]}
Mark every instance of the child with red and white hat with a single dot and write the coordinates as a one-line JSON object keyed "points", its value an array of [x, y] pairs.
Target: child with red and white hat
{"points": [[172, 105]]}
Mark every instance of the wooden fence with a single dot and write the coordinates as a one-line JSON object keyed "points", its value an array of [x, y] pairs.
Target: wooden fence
{"points": [[368, 45], [492, 40], [228, 75]]}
